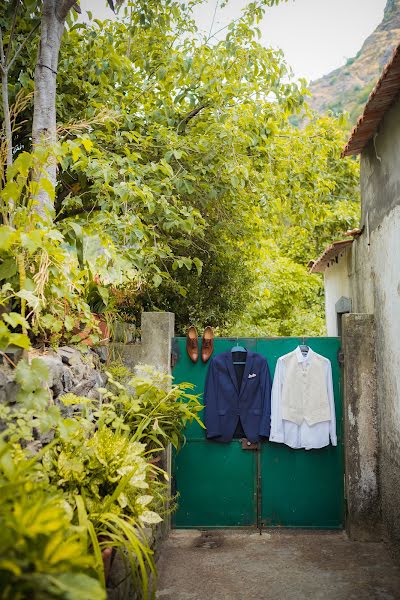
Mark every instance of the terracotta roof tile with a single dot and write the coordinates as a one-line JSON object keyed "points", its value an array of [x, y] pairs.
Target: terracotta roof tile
{"points": [[328, 255], [380, 100]]}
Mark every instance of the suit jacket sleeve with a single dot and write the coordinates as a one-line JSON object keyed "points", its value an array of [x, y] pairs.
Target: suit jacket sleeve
{"points": [[265, 424], [211, 417]]}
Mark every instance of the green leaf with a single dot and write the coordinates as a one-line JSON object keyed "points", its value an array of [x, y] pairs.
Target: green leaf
{"points": [[32, 300], [76, 586], [32, 376], [8, 268], [69, 323], [76, 153], [32, 241], [198, 264], [87, 144], [20, 339], [15, 319], [150, 517], [4, 336], [48, 187], [157, 280], [7, 237]]}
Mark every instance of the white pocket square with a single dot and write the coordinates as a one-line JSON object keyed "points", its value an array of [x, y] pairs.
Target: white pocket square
{"points": [[252, 375]]}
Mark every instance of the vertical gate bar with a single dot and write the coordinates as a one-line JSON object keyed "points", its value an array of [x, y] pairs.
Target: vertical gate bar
{"points": [[259, 488]]}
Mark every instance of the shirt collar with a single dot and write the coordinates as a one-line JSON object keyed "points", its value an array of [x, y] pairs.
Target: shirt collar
{"points": [[301, 358]]}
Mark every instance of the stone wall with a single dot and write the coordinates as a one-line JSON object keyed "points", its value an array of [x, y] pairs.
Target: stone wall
{"points": [[70, 370]]}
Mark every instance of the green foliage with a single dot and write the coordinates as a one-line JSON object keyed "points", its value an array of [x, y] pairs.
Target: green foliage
{"points": [[42, 558], [154, 410], [42, 552], [162, 178], [310, 198], [92, 487], [105, 466], [171, 166], [287, 301], [32, 413]]}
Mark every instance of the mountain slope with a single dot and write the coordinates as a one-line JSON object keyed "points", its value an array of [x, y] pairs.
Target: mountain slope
{"points": [[348, 87]]}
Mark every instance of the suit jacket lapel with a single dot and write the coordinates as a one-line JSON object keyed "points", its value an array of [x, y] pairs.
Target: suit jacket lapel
{"points": [[231, 370], [247, 369]]}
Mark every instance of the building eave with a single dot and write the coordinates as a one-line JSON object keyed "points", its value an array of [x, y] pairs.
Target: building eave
{"points": [[379, 102], [329, 255]]}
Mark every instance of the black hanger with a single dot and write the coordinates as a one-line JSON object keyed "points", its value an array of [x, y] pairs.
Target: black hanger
{"points": [[241, 349]]}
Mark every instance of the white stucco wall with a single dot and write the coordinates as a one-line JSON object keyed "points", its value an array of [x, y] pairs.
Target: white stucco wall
{"points": [[336, 280], [375, 289]]}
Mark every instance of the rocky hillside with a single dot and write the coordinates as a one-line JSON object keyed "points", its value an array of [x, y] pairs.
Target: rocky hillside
{"points": [[347, 88]]}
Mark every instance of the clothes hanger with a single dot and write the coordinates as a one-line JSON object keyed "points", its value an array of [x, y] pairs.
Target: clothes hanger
{"points": [[303, 347], [238, 348]]}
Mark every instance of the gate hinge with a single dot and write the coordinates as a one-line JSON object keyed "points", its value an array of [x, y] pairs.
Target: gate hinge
{"points": [[340, 358]]}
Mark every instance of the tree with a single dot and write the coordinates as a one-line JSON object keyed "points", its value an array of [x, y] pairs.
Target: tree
{"points": [[179, 161], [311, 196], [44, 126], [8, 57]]}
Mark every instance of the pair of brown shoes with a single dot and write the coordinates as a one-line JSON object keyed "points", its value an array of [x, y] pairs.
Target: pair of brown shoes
{"points": [[192, 344]]}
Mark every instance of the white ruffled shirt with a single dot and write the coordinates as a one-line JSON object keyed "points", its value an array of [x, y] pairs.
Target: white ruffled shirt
{"points": [[301, 388]]}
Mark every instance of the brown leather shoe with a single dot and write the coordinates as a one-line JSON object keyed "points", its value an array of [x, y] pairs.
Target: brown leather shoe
{"points": [[192, 344], [207, 345]]}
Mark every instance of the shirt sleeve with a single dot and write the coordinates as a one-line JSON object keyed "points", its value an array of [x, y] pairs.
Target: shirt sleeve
{"points": [[277, 433], [211, 417], [329, 385], [265, 424]]}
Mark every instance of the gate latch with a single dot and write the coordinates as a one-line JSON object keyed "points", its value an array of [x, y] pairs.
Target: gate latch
{"points": [[247, 445], [174, 359]]}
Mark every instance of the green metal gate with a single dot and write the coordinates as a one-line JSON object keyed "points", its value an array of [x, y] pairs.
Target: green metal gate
{"points": [[221, 485]]}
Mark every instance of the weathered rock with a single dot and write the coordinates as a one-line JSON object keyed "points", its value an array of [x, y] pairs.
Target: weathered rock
{"points": [[55, 367], [101, 380], [84, 387], [65, 352], [3, 386], [68, 379], [102, 352], [79, 367], [69, 371], [8, 387]]}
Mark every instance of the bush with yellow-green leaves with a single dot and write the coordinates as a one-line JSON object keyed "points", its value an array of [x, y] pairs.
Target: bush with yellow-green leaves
{"points": [[90, 488]]}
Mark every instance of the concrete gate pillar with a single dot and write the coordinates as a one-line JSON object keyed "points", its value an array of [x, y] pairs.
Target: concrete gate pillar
{"points": [[361, 441], [154, 348], [157, 331]]}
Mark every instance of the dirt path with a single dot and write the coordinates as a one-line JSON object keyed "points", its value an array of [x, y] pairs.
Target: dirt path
{"points": [[278, 565]]}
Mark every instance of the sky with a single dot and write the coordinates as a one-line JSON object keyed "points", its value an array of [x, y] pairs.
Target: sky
{"points": [[316, 36]]}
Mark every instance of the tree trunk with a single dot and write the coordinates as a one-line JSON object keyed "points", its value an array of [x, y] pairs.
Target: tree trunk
{"points": [[44, 114], [6, 112]]}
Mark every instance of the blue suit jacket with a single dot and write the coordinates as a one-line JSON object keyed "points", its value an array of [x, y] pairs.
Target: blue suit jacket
{"points": [[225, 403]]}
